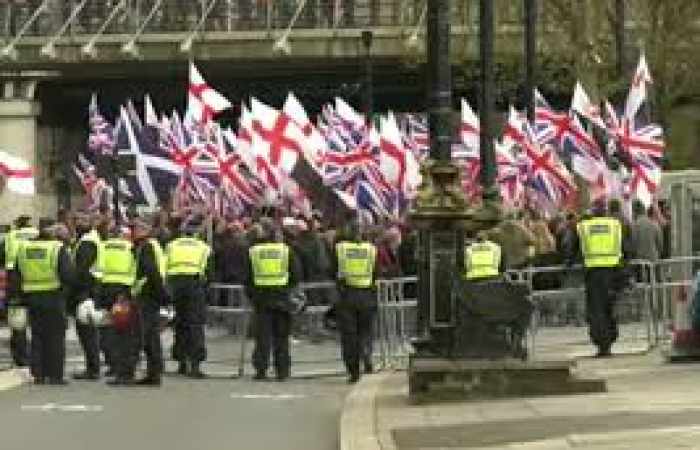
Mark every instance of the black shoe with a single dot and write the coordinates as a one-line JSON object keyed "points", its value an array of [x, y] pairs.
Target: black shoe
{"points": [[110, 372], [182, 368], [87, 376], [40, 380], [121, 381], [369, 368], [260, 376], [150, 380], [282, 377], [603, 353], [56, 382], [354, 378], [196, 373]]}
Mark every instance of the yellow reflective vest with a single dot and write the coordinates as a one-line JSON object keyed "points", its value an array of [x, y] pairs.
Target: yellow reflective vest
{"points": [[482, 260], [270, 264], [119, 262], [186, 256], [13, 239], [37, 262], [356, 262], [601, 242]]}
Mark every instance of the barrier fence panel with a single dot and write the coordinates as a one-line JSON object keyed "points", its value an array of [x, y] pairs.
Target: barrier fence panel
{"points": [[315, 350], [559, 328], [673, 287]]}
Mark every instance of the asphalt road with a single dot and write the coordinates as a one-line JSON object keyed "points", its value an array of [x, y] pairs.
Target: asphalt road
{"points": [[214, 414]]}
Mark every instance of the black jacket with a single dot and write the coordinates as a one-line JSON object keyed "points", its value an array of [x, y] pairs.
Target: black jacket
{"points": [[147, 267]]}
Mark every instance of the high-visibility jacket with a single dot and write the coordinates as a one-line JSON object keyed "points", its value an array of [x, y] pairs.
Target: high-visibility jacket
{"points": [[37, 262], [119, 262], [601, 241], [482, 260], [98, 264], [186, 256], [160, 263], [13, 239], [356, 262], [270, 264]]}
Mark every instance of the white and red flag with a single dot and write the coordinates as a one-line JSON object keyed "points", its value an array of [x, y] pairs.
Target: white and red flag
{"points": [[470, 127], [18, 174], [639, 89], [203, 102]]}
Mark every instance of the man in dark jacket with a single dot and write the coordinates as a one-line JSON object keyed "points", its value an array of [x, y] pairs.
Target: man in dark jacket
{"points": [[88, 275], [150, 294]]}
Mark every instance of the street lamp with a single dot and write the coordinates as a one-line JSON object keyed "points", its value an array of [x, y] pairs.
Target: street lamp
{"points": [[369, 75], [530, 56]]}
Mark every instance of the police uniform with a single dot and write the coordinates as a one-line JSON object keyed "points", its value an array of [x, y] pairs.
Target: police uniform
{"points": [[13, 239], [273, 272], [89, 263], [482, 260], [601, 245], [150, 295], [188, 268], [357, 306], [118, 278], [44, 272]]}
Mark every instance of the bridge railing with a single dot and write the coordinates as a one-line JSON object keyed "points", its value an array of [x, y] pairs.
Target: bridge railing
{"points": [[45, 17]]}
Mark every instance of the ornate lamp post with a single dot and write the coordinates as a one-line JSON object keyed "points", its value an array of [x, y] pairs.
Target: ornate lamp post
{"points": [[369, 75], [441, 212]]}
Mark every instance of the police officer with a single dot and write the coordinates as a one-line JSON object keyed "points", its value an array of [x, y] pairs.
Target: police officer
{"points": [[88, 265], [188, 269], [600, 239], [118, 278], [482, 259], [43, 275], [357, 305], [21, 231], [272, 273], [150, 295]]}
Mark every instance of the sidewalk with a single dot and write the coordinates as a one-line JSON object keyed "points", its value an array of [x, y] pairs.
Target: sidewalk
{"points": [[649, 405]]}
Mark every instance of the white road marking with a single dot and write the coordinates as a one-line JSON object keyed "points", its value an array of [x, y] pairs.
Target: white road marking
{"points": [[51, 407], [267, 396]]}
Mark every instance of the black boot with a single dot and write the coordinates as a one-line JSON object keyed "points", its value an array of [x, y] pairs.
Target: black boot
{"points": [[260, 376], [182, 368], [87, 376], [150, 380], [196, 372]]}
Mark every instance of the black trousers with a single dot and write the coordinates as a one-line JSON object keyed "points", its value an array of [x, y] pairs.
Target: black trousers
{"points": [[189, 296], [356, 311], [272, 329], [600, 303], [19, 347], [47, 313], [152, 346], [89, 342]]}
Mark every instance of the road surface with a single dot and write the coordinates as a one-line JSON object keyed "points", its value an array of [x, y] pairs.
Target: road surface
{"points": [[217, 413]]}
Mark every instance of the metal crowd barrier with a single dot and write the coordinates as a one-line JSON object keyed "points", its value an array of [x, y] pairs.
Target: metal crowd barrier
{"points": [[314, 350], [559, 323]]}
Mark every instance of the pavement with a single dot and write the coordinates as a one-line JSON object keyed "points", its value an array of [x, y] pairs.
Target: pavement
{"points": [[223, 412], [650, 404]]}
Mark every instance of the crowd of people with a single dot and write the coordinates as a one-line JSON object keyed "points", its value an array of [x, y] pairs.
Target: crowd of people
{"points": [[166, 259]]}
